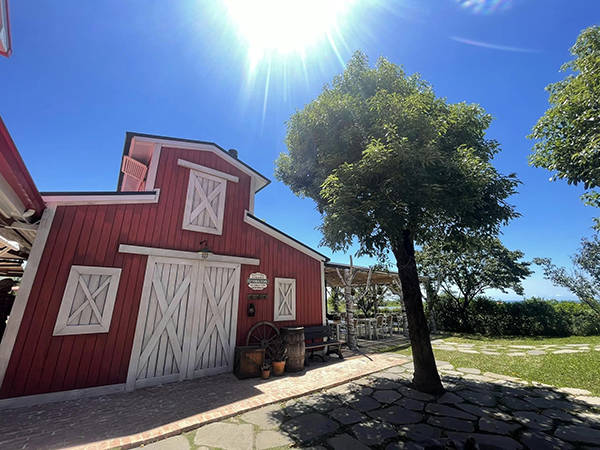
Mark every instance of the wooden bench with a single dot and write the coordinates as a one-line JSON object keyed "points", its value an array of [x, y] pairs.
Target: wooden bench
{"points": [[328, 344]]}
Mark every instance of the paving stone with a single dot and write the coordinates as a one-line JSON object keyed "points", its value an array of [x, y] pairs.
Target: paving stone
{"points": [[465, 350], [419, 432], [514, 390], [446, 347], [589, 417], [414, 394], [452, 372], [450, 423], [551, 403], [173, 443], [537, 352], [450, 398], [494, 426], [346, 442], [396, 415], [363, 403], [346, 416], [574, 391], [295, 408], [386, 396], [272, 439], [411, 403], [395, 369], [575, 433], [522, 346], [448, 411], [516, 354], [503, 442], [534, 420], [468, 370], [385, 384], [226, 436], [487, 352], [308, 427], [559, 415], [517, 404], [535, 440], [481, 379], [373, 432], [559, 352], [266, 418], [478, 398], [591, 401], [478, 410], [499, 376], [546, 393], [324, 403]]}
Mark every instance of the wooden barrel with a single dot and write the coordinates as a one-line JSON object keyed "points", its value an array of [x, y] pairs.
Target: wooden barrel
{"points": [[293, 337], [248, 362]]}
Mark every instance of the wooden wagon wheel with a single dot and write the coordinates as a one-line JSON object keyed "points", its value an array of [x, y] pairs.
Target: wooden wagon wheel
{"points": [[263, 334]]}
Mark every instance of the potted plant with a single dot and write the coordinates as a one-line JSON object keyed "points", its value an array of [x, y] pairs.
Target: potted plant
{"points": [[265, 371], [278, 355]]}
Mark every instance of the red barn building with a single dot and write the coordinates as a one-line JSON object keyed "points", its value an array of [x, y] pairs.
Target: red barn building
{"points": [[117, 293]]}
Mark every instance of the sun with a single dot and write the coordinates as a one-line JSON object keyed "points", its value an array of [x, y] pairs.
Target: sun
{"points": [[286, 26]]}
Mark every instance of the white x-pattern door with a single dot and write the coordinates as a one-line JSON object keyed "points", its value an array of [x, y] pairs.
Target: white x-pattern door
{"points": [[187, 321], [285, 299], [216, 319], [205, 203]]}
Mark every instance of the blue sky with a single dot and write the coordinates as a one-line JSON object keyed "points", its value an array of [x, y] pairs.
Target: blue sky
{"points": [[82, 73]]}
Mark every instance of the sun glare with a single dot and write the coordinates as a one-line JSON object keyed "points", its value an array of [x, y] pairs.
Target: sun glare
{"points": [[286, 26]]}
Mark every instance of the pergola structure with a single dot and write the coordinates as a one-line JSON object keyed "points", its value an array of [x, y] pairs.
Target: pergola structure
{"points": [[379, 277]]}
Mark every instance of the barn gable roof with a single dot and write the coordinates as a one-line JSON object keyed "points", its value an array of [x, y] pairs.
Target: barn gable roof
{"points": [[166, 141]]}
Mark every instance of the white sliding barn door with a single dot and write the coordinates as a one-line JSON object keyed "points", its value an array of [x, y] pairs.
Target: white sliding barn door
{"points": [[215, 322], [160, 348], [187, 321]]}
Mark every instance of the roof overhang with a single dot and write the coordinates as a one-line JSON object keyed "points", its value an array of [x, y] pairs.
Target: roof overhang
{"points": [[149, 141], [21, 207]]}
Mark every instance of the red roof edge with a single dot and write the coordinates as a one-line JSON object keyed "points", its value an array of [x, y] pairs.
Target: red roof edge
{"points": [[15, 173]]}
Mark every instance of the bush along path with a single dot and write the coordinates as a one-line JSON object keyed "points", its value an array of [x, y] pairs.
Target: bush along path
{"points": [[383, 412]]}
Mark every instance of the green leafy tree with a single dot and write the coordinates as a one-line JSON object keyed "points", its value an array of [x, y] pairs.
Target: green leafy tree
{"points": [[389, 165], [470, 266], [568, 134], [584, 279]]}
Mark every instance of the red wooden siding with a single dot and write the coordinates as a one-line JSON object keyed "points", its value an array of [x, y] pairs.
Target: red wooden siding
{"points": [[90, 235]]}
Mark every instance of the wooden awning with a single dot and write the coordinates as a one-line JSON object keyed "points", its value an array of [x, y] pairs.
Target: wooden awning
{"points": [[21, 207], [378, 277]]}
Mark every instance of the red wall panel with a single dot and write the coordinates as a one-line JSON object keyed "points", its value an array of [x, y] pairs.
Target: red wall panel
{"points": [[90, 235]]}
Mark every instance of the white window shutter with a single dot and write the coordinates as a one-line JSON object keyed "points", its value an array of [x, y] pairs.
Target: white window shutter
{"points": [[285, 299], [205, 203], [89, 300]]}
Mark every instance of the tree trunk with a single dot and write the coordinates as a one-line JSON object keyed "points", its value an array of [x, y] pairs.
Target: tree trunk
{"points": [[426, 377], [351, 331], [431, 298]]}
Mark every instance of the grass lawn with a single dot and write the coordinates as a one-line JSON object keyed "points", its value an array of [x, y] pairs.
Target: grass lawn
{"points": [[576, 370]]}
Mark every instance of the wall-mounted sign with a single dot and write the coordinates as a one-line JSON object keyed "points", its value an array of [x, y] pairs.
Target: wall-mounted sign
{"points": [[257, 281]]}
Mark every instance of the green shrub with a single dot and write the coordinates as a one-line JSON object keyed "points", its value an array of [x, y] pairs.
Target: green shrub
{"points": [[532, 317]]}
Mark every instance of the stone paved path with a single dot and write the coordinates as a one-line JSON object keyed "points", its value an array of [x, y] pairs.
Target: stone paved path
{"points": [[122, 420], [511, 350], [382, 411]]}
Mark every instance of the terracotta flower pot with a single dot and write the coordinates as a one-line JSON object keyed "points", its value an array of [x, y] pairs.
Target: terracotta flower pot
{"points": [[265, 374], [278, 367]]}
